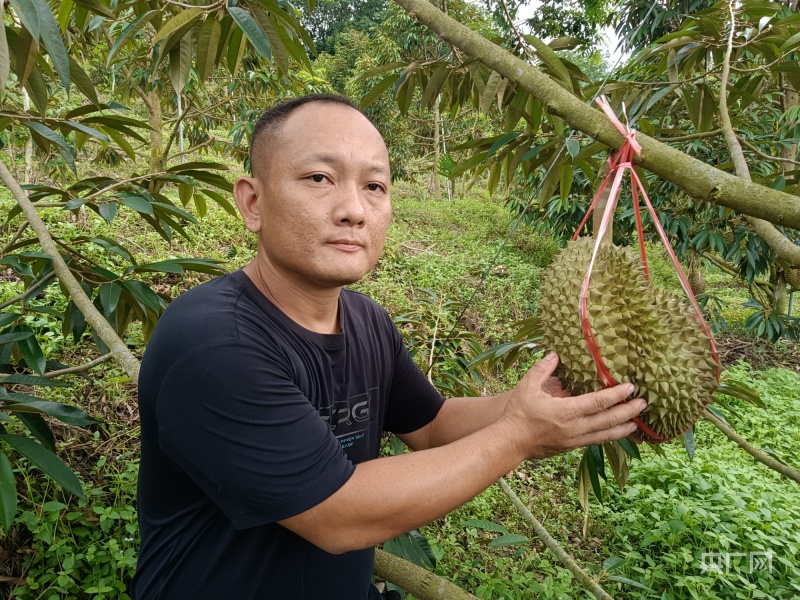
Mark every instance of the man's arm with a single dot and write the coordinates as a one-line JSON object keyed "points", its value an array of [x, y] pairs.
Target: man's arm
{"points": [[389, 496]]}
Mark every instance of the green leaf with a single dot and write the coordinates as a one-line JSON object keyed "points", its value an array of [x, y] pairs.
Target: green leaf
{"points": [[64, 148], [122, 143], [511, 539], [63, 412], [482, 524], [252, 31], [85, 129], [50, 34], [468, 164], [26, 51], [278, 49], [137, 203], [83, 82], [128, 33], [613, 562], [630, 448], [180, 61], [379, 88], [688, 442], [573, 147], [20, 267], [565, 183], [181, 265], [38, 427], [380, 70], [5, 57], [28, 15], [8, 318], [31, 380], [184, 16], [109, 296], [207, 45], [97, 7], [8, 493], [108, 210], [45, 460], [5, 338], [502, 142], [550, 58], [32, 353], [792, 43], [222, 201]]}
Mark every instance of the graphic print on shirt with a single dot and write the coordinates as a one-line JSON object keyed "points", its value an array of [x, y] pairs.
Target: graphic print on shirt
{"points": [[349, 419]]}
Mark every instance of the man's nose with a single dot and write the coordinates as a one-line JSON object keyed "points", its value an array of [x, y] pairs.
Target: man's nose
{"points": [[350, 205]]}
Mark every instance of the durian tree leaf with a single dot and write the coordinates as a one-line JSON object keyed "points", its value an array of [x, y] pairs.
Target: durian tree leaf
{"points": [[598, 459], [594, 478], [50, 34], [128, 33], [737, 389], [8, 493], [618, 460], [483, 524], [252, 31], [688, 442], [38, 427], [583, 482], [183, 17], [208, 42], [5, 55], [45, 460], [28, 15], [511, 539], [719, 415], [630, 448]]}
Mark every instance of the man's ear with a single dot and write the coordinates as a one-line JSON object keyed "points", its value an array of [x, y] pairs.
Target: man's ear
{"points": [[247, 193]]}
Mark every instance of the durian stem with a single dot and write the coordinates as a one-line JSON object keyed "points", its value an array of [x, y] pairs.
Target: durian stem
{"points": [[759, 455], [553, 545]]}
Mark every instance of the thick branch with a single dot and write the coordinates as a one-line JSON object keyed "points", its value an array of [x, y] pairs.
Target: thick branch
{"points": [[698, 179], [553, 545], [416, 580], [759, 455], [783, 247], [121, 353]]}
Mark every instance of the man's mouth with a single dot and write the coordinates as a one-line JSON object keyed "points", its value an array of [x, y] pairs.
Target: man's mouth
{"points": [[346, 245]]}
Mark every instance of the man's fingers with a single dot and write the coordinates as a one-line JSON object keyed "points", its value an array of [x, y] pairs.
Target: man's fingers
{"points": [[596, 402], [544, 368], [608, 435], [614, 416]]}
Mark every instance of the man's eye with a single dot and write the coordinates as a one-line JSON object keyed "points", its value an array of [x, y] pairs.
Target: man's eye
{"points": [[375, 187], [318, 178]]}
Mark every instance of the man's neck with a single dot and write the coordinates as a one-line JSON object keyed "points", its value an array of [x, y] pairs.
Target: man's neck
{"points": [[316, 309]]}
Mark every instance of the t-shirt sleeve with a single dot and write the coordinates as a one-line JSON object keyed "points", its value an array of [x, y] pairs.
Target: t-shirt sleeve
{"points": [[413, 401], [232, 418]]}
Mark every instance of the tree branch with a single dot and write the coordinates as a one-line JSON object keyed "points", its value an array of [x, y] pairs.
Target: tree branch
{"points": [[553, 545], [31, 290], [755, 150], [416, 580], [697, 178], [691, 136], [121, 353], [783, 247], [14, 238], [759, 455], [80, 368]]}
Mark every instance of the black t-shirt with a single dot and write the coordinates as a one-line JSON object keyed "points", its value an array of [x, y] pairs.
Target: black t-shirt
{"points": [[248, 418]]}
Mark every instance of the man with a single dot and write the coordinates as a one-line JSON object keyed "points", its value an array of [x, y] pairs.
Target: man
{"points": [[263, 393]]}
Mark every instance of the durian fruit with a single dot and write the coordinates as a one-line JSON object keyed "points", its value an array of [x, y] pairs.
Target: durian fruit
{"points": [[645, 336]]}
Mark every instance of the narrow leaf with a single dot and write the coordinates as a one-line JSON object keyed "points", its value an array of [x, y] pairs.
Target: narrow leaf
{"points": [[8, 493], [48, 462], [182, 18], [50, 34], [376, 92], [207, 44], [511, 539], [128, 33], [252, 31]]}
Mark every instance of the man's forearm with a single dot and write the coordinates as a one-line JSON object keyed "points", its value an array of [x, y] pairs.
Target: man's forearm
{"points": [[458, 418], [392, 495]]}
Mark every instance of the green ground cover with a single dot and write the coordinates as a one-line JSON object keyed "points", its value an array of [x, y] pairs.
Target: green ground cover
{"points": [[651, 535]]}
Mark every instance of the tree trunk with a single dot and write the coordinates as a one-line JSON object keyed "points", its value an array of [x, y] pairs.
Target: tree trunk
{"points": [[697, 178], [780, 294]]}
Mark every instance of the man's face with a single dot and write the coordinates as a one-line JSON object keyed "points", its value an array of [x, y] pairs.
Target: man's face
{"points": [[324, 196]]}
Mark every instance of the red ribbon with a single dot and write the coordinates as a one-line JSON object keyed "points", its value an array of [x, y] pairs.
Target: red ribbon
{"points": [[618, 163]]}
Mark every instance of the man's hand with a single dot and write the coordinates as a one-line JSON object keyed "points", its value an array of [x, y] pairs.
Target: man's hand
{"points": [[545, 420]]}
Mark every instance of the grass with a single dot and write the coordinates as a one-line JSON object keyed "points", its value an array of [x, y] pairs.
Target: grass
{"points": [[651, 534]]}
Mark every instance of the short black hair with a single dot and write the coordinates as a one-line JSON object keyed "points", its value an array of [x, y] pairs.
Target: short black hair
{"points": [[269, 122]]}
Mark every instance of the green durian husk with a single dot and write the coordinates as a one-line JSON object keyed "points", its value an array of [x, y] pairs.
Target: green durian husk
{"points": [[646, 336]]}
